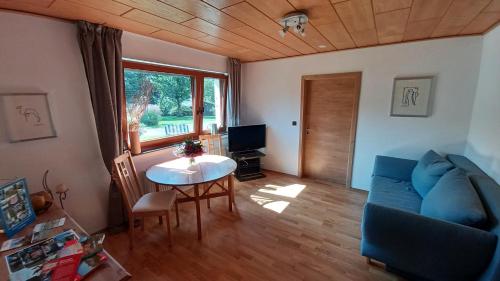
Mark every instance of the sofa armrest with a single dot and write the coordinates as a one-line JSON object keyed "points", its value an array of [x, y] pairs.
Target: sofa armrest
{"points": [[392, 167], [425, 247]]}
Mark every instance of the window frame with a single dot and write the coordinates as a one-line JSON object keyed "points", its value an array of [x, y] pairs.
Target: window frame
{"points": [[197, 93]]}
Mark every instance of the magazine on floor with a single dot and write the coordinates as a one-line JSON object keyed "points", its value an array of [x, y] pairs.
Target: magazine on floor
{"points": [[40, 236], [65, 266], [15, 243], [89, 265], [44, 226], [92, 244], [46, 230], [28, 262], [63, 257]]}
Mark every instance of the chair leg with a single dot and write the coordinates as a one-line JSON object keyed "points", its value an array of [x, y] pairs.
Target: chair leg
{"points": [[131, 232], [177, 213], [168, 229], [157, 189]]}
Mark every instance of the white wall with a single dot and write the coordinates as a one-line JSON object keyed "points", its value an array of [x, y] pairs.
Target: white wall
{"points": [[140, 47], [271, 95], [483, 145], [40, 54]]}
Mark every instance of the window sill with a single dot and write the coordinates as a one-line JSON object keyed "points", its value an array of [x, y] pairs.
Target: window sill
{"points": [[156, 149], [168, 146]]}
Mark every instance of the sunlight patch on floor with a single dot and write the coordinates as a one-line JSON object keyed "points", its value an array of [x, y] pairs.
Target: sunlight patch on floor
{"points": [[278, 206], [291, 191]]}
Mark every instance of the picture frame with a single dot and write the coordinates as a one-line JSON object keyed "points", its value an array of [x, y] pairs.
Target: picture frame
{"points": [[27, 116], [411, 96], [16, 211]]}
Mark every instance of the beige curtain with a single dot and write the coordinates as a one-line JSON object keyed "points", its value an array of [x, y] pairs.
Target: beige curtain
{"points": [[101, 50], [234, 91]]}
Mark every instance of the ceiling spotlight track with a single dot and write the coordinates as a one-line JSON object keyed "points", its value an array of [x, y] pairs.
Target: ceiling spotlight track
{"points": [[295, 20]]}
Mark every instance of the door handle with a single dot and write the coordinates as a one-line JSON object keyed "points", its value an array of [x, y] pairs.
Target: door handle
{"points": [[308, 131]]}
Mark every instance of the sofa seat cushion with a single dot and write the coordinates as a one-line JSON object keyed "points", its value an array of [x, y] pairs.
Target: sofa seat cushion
{"points": [[395, 194], [454, 199], [428, 171]]}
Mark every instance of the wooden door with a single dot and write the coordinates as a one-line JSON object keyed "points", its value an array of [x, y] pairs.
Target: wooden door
{"points": [[329, 115]]}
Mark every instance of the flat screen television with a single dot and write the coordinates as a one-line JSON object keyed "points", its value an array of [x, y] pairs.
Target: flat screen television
{"points": [[243, 138]]}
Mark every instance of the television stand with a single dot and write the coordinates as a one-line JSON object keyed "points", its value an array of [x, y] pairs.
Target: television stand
{"points": [[248, 165]]}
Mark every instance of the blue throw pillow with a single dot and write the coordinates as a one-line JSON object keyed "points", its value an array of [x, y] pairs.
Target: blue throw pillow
{"points": [[428, 171], [454, 199]]}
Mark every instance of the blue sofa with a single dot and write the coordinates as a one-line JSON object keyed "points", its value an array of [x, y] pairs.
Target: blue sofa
{"points": [[420, 247]]}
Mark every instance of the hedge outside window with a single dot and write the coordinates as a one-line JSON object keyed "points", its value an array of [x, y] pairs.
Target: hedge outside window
{"points": [[181, 104]]}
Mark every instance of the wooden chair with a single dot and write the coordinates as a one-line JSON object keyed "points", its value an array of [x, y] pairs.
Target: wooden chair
{"points": [[213, 143], [139, 204]]}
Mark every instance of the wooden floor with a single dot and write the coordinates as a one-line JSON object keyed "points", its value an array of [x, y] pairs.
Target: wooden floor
{"points": [[283, 228]]}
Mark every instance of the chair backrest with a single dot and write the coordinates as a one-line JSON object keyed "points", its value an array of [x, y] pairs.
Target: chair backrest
{"points": [[127, 180], [213, 143]]}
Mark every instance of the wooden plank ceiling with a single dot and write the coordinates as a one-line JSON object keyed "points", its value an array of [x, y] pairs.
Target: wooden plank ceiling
{"points": [[248, 30]]}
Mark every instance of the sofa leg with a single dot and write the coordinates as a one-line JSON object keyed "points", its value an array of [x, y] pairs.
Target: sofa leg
{"points": [[375, 263]]}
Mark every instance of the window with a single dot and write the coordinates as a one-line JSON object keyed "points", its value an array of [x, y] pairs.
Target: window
{"points": [[167, 105], [212, 98]]}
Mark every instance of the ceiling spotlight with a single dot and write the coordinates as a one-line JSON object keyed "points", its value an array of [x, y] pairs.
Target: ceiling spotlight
{"points": [[300, 29], [283, 31], [295, 20]]}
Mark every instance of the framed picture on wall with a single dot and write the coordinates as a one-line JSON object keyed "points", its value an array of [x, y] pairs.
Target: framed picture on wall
{"points": [[411, 96], [27, 116]]}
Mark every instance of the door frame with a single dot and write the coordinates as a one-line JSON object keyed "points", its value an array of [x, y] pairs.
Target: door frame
{"points": [[352, 136]]}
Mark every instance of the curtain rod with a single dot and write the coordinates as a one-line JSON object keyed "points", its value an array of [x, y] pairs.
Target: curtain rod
{"points": [[173, 66]]}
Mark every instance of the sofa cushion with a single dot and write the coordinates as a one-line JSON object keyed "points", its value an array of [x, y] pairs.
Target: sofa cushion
{"points": [[392, 167], [428, 171], [463, 162], [454, 199], [395, 194], [489, 193]]}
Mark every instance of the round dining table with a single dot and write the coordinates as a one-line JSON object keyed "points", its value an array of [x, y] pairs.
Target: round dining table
{"points": [[205, 170]]}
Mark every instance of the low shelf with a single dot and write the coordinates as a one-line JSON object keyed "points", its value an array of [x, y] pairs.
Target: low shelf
{"points": [[249, 166]]}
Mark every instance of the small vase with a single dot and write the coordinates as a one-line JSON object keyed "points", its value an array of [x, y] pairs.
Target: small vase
{"points": [[135, 142], [192, 161]]}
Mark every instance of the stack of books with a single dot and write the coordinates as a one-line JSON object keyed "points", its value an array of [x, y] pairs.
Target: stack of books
{"points": [[63, 257]]}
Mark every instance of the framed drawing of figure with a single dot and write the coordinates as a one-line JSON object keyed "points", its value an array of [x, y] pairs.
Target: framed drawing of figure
{"points": [[411, 96], [27, 116]]}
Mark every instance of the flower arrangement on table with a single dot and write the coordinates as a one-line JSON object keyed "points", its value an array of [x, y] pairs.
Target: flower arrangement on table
{"points": [[189, 148]]}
